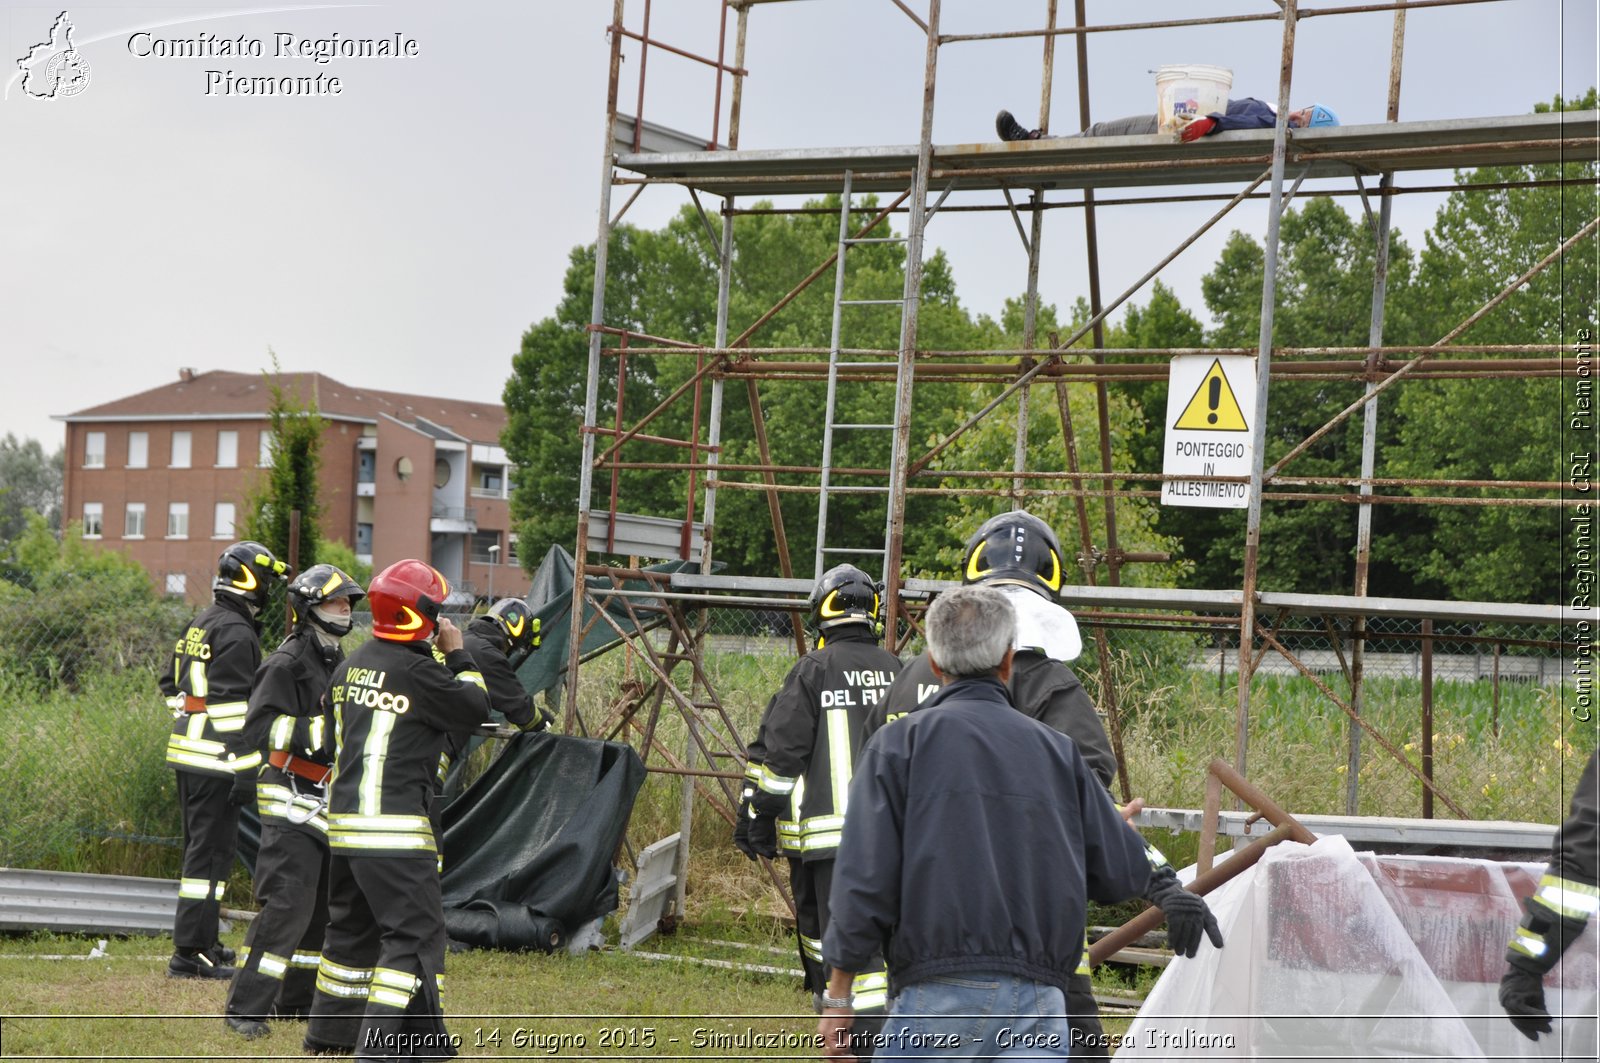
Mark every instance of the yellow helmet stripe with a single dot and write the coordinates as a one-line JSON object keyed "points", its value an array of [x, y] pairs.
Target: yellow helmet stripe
{"points": [[516, 628], [1054, 582], [246, 580], [415, 622], [974, 573], [828, 609], [333, 582]]}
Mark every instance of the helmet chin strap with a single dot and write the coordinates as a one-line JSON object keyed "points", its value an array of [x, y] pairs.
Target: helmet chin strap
{"points": [[334, 625]]}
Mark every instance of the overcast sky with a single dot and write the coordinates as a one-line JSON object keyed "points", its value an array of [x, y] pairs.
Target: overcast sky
{"points": [[403, 233]]}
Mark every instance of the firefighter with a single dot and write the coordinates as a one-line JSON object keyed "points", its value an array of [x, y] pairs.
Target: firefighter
{"points": [[288, 720], [208, 689], [381, 974], [1567, 897], [1018, 554], [508, 628], [798, 768]]}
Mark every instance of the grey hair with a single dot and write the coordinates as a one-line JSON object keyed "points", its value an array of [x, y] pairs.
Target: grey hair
{"points": [[969, 630]]}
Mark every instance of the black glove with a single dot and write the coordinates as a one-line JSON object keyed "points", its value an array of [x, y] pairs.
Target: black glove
{"points": [[1187, 914], [762, 836], [1522, 995], [741, 829], [244, 788]]}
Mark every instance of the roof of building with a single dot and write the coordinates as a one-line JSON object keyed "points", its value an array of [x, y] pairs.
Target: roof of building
{"points": [[219, 393]]}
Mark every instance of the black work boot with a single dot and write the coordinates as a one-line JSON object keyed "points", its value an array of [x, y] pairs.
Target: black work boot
{"points": [[194, 963], [245, 1026], [1010, 129]]}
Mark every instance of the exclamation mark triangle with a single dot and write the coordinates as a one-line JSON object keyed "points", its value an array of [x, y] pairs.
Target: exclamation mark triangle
{"points": [[1213, 407]]}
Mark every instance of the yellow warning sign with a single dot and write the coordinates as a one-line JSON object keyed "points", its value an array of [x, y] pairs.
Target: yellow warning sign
{"points": [[1213, 407]]}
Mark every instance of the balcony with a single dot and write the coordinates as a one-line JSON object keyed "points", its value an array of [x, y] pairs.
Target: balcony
{"points": [[462, 520], [366, 489]]}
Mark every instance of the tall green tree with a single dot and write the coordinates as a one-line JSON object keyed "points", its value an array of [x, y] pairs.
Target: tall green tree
{"points": [[290, 482], [30, 480], [1504, 428], [664, 283]]}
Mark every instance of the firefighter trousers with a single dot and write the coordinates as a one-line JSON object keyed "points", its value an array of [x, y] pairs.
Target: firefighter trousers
{"points": [[811, 883], [382, 969], [210, 837], [279, 961]]}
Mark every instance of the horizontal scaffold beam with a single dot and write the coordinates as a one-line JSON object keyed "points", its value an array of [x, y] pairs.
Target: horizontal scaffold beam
{"points": [[1160, 159]]}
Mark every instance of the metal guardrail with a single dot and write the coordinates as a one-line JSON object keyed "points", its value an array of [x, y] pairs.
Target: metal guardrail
{"points": [[1385, 830], [75, 903]]}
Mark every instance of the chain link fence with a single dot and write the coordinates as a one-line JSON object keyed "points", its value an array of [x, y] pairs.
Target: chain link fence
{"points": [[86, 787]]}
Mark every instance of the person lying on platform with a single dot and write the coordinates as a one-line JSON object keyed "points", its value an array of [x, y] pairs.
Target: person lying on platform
{"points": [[1248, 113]]}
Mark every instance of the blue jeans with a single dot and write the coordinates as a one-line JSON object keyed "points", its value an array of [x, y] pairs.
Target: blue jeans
{"points": [[976, 1015]]}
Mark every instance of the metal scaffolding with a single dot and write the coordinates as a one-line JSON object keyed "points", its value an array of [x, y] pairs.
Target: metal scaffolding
{"points": [[1270, 164]]}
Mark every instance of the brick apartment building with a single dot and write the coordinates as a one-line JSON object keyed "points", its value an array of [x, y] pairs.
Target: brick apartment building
{"points": [[162, 476]]}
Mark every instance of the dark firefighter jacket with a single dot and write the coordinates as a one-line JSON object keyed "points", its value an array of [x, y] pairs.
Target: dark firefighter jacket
{"points": [[487, 644], [208, 689], [288, 719], [490, 648], [810, 734], [1043, 688], [1568, 894], [954, 866], [393, 705]]}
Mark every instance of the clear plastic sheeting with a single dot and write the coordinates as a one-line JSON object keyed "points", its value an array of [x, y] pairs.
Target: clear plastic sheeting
{"points": [[1334, 954]]}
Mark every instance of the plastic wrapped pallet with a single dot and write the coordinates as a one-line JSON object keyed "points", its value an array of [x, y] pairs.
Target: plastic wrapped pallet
{"points": [[1341, 955]]}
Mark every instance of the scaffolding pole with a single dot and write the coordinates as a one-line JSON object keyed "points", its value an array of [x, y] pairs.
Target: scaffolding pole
{"points": [[1258, 431]]}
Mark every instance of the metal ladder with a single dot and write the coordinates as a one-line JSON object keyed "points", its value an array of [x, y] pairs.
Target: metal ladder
{"points": [[830, 425]]}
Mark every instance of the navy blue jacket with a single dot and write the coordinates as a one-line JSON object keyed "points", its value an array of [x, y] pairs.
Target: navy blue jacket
{"points": [[1248, 113], [975, 837]]}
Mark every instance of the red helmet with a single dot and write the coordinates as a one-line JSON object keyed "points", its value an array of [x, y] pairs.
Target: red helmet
{"points": [[405, 600]]}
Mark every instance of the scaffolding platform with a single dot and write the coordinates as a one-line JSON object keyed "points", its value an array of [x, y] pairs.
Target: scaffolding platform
{"points": [[1112, 162]]}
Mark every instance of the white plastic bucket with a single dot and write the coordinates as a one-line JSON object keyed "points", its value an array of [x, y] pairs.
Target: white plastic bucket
{"points": [[1185, 93]]}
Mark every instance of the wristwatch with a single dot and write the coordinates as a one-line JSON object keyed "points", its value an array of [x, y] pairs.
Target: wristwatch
{"points": [[835, 1002]]}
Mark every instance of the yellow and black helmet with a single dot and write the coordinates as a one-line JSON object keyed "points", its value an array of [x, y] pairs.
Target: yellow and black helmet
{"points": [[248, 570], [319, 584], [516, 620], [845, 595], [1014, 547]]}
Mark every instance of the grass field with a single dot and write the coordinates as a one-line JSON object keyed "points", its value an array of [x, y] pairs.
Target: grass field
{"points": [[502, 1005], [602, 1004]]}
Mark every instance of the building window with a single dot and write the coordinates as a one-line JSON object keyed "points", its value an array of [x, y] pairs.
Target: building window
{"points": [[177, 583], [227, 449], [364, 540], [138, 449], [366, 467], [180, 450], [224, 521], [92, 523], [177, 520], [94, 450], [488, 482], [481, 541], [133, 521], [511, 549], [264, 449]]}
